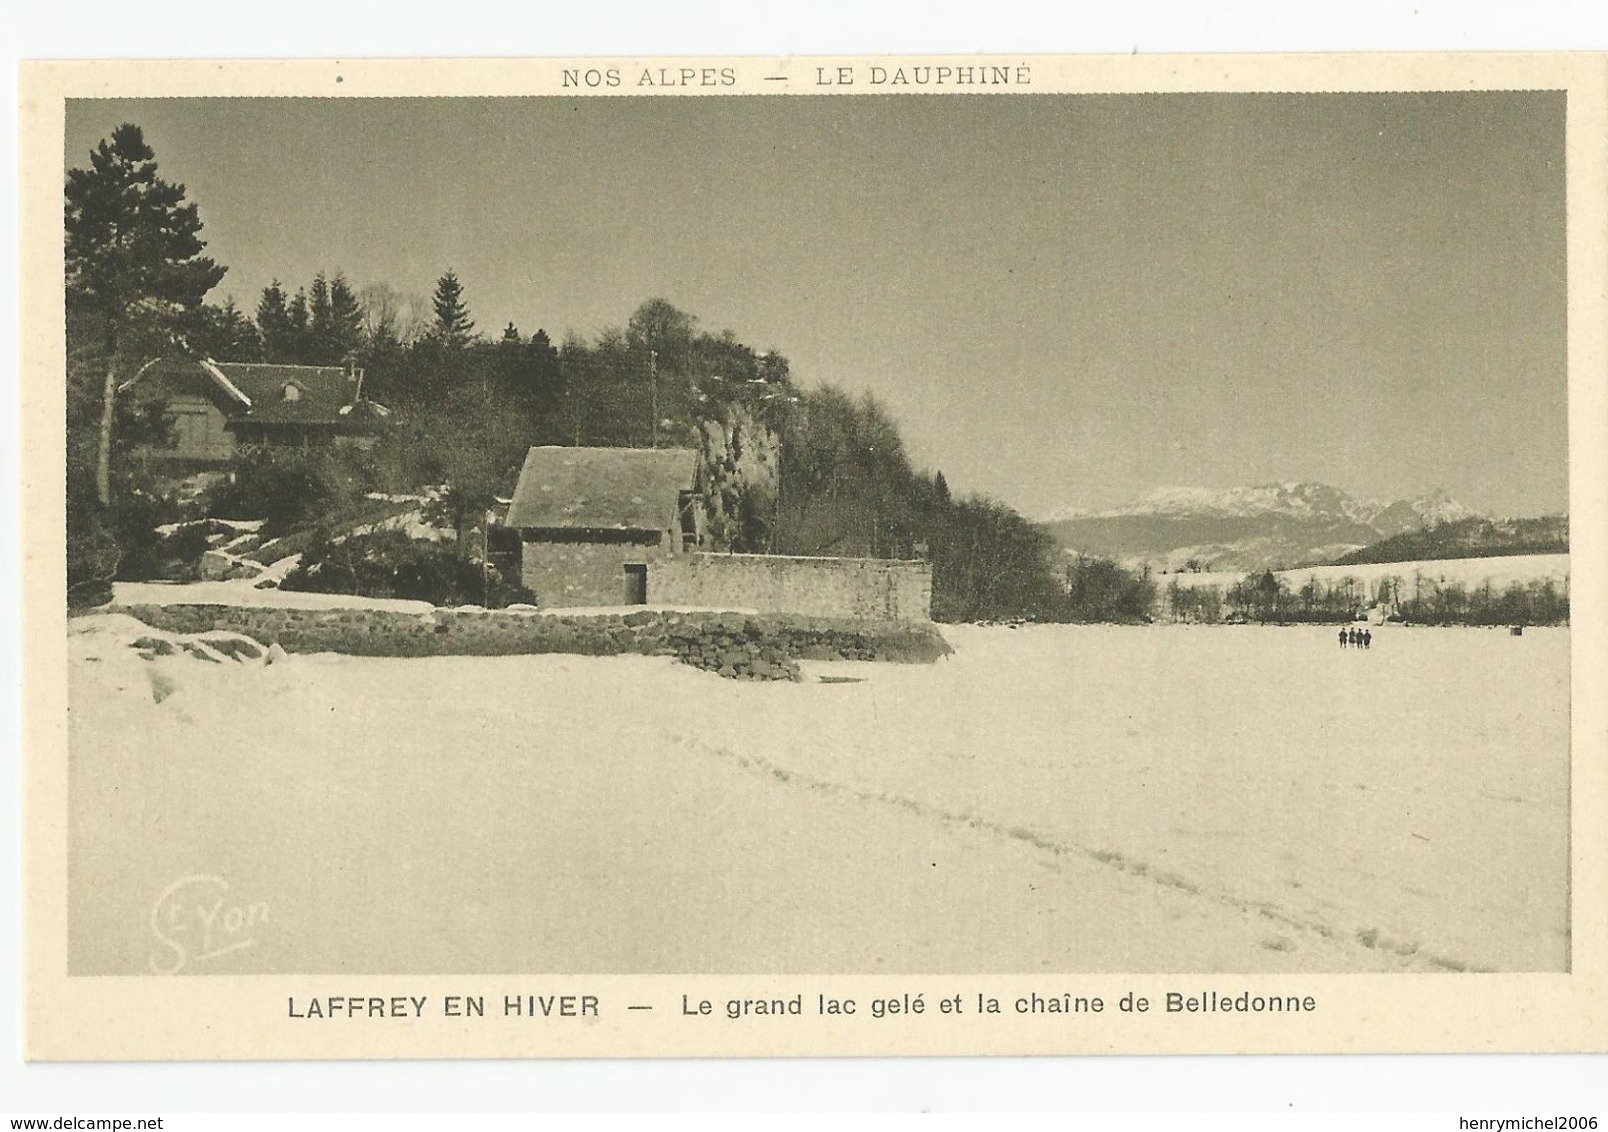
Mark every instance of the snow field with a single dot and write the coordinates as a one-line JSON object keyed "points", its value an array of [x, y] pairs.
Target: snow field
{"points": [[1050, 798]]}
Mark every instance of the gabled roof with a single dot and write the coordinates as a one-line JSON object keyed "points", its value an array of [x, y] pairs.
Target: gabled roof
{"points": [[602, 488], [180, 376], [262, 393], [278, 394]]}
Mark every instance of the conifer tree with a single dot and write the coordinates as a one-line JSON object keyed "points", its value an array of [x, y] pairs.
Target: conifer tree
{"points": [[345, 317], [299, 319], [318, 304], [225, 333], [453, 327], [134, 262], [335, 321], [273, 323]]}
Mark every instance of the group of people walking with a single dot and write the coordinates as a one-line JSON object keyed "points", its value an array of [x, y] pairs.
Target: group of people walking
{"points": [[1355, 638]]}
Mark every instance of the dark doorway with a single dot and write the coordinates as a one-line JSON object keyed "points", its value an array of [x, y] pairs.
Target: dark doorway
{"points": [[636, 583]]}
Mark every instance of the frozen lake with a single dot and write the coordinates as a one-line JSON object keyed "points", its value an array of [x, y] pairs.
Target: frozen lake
{"points": [[1052, 798]]}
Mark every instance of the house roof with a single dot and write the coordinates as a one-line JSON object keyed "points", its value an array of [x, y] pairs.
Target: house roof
{"points": [[261, 393], [601, 488], [171, 377], [278, 394]]}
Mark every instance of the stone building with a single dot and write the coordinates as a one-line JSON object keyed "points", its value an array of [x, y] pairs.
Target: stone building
{"points": [[591, 521], [624, 526]]}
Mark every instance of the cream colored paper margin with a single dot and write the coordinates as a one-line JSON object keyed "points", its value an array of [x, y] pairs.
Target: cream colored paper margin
{"points": [[221, 1017]]}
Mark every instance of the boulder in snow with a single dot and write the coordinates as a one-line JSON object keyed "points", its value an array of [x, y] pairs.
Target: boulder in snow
{"points": [[216, 566]]}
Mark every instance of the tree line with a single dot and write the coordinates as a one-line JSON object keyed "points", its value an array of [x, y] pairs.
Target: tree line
{"points": [[1268, 598], [786, 469]]}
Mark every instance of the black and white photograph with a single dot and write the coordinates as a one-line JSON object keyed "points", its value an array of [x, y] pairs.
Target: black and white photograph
{"points": [[884, 519]]}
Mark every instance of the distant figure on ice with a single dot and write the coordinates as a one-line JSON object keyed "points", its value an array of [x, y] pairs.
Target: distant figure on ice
{"points": [[1355, 637], [1343, 639], [1367, 638]]}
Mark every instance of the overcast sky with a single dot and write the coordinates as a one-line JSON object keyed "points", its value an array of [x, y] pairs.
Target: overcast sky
{"points": [[1064, 300]]}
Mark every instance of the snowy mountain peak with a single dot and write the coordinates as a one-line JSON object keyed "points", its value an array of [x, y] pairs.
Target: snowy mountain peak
{"points": [[1439, 507], [1251, 526], [1292, 498]]}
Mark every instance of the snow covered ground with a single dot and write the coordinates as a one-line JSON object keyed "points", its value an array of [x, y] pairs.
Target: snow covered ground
{"points": [[1050, 798]]}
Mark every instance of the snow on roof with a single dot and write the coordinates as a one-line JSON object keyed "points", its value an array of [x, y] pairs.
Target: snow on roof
{"points": [[222, 379], [320, 391]]}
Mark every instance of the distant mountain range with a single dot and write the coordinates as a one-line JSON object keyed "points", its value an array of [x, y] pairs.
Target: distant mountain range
{"points": [[1246, 528]]}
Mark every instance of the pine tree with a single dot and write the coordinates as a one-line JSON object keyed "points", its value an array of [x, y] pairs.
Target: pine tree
{"points": [[298, 319], [546, 382], [508, 363], [133, 259], [335, 322], [273, 323], [226, 334], [345, 318], [453, 327], [320, 339]]}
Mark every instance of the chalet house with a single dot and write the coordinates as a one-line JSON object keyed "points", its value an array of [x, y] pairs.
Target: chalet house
{"points": [[592, 520], [221, 409]]}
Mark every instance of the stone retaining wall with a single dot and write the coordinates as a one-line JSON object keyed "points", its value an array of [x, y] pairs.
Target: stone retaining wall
{"points": [[734, 645]]}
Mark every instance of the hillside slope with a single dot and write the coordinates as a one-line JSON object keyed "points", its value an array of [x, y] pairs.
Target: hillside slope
{"points": [[1469, 538]]}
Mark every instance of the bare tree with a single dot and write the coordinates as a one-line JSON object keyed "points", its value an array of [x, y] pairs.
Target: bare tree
{"points": [[386, 311]]}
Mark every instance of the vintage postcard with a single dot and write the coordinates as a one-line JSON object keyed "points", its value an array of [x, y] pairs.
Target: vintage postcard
{"points": [[794, 556]]}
